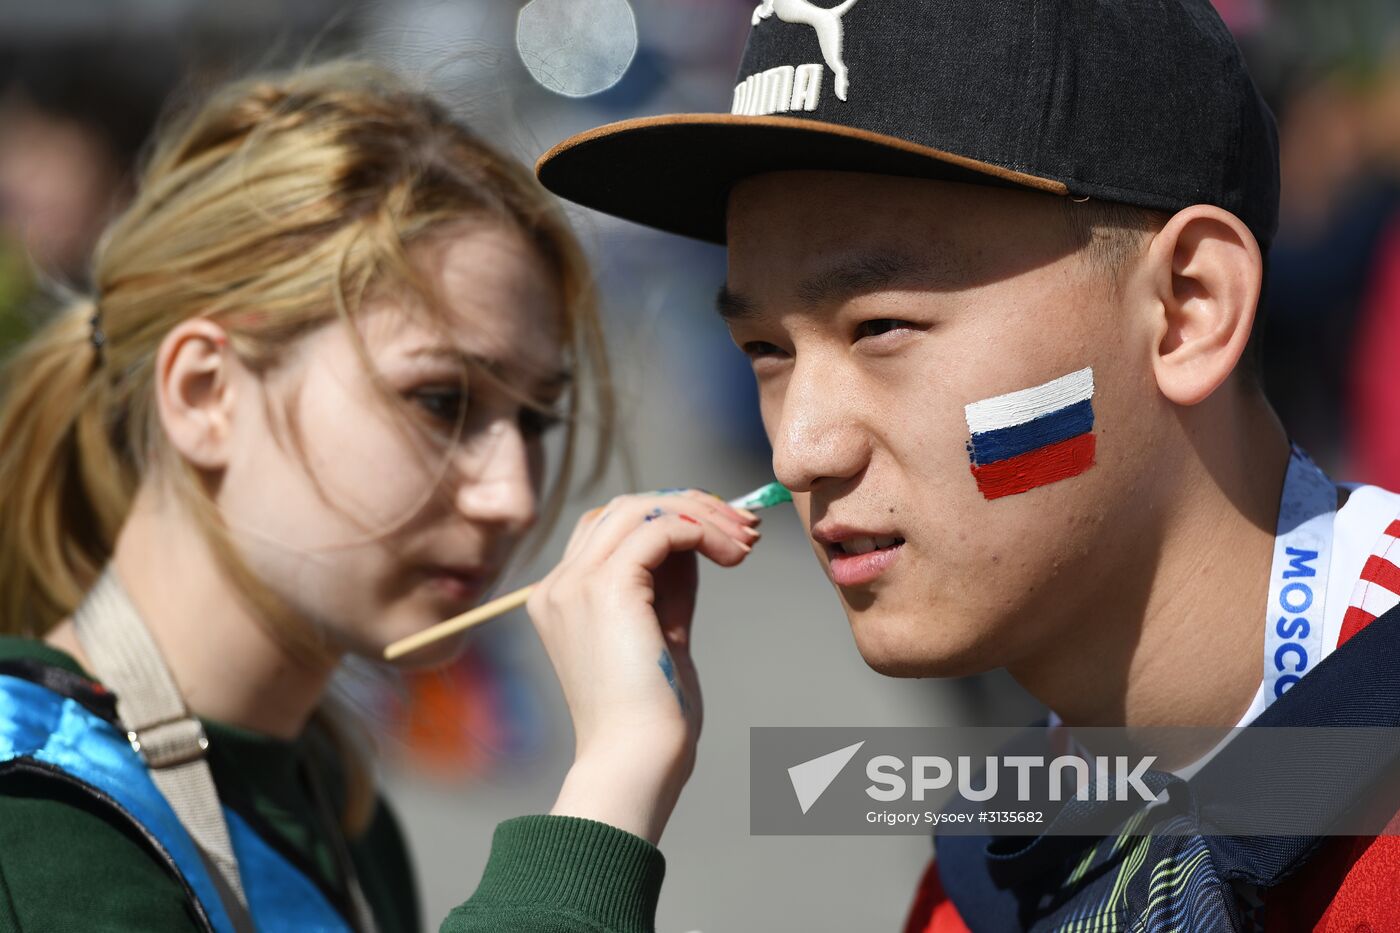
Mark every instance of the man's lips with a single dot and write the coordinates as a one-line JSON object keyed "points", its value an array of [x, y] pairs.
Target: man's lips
{"points": [[857, 555]]}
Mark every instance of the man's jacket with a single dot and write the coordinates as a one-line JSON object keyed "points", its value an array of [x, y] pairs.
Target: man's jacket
{"points": [[1200, 882]]}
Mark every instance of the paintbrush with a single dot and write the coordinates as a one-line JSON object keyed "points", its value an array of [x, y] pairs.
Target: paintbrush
{"points": [[761, 498]]}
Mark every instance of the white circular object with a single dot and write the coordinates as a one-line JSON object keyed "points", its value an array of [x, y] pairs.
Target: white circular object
{"points": [[576, 47]]}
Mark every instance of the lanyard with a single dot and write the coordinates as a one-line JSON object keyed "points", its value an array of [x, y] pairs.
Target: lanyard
{"points": [[1293, 618]]}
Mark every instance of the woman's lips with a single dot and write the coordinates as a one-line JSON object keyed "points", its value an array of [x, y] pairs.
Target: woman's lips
{"points": [[458, 587], [858, 569]]}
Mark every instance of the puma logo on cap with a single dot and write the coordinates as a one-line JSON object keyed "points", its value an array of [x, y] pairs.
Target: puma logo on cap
{"points": [[790, 87]]}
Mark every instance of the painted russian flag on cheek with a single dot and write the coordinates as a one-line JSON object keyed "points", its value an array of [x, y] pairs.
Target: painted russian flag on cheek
{"points": [[1032, 437]]}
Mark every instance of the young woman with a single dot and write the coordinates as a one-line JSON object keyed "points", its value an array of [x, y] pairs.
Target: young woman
{"points": [[300, 418]]}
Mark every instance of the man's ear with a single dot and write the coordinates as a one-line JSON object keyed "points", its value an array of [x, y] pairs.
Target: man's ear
{"points": [[194, 392], [1204, 270]]}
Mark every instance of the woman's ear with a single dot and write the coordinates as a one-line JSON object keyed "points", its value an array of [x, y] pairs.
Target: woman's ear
{"points": [[195, 392], [1204, 270]]}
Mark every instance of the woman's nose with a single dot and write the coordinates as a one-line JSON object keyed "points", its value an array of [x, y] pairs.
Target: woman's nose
{"points": [[496, 484]]}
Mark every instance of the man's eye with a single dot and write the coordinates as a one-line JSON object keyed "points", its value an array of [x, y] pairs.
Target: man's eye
{"points": [[759, 348], [878, 326], [445, 405]]}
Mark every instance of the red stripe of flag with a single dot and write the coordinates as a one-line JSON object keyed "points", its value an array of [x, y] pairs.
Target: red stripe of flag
{"points": [[1394, 529], [1037, 468], [1380, 571], [1354, 621]]}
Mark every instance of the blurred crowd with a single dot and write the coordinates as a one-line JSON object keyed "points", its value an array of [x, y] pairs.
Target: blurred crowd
{"points": [[83, 83], [1331, 71]]}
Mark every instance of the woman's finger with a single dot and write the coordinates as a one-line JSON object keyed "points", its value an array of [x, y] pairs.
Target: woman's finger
{"points": [[585, 524], [668, 533], [625, 514]]}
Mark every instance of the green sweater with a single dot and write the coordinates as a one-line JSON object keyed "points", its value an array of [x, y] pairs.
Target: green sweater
{"points": [[65, 864]]}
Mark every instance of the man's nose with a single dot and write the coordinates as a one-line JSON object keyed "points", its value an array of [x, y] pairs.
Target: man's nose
{"points": [[820, 436]]}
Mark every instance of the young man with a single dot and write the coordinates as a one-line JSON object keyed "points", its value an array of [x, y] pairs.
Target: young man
{"points": [[997, 267]]}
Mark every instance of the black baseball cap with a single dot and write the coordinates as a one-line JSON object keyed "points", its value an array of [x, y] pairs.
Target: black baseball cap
{"points": [[1141, 102]]}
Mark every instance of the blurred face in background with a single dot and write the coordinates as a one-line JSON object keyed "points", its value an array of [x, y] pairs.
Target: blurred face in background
{"points": [[874, 309], [58, 183], [376, 504]]}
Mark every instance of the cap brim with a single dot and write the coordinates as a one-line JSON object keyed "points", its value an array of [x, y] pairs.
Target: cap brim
{"points": [[674, 172]]}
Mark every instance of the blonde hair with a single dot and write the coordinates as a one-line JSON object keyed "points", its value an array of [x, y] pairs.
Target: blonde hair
{"points": [[272, 209]]}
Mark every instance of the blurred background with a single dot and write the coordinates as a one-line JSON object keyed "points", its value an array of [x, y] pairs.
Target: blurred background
{"points": [[83, 82]]}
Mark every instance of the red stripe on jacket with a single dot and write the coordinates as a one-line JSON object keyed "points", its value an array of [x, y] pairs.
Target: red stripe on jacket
{"points": [[933, 912]]}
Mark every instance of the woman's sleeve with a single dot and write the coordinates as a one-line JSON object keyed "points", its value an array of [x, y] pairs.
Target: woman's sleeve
{"points": [[563, 874], [64, 865]]}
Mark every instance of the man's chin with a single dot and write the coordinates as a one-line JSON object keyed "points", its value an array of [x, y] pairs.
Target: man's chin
{"points": [[898, 649]]}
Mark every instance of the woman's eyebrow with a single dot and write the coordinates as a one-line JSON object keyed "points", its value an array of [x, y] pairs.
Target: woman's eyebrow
{"points": [[545, 381]]}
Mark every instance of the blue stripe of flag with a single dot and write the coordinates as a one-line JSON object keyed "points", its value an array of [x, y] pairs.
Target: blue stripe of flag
{"points": [[1061, 425]]}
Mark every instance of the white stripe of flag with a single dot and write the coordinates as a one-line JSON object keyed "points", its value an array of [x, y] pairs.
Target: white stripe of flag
{"points": [[1013, 408]]}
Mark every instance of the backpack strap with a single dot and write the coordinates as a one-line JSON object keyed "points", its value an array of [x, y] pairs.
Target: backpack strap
{"points": [[161, 729], [171, 740]]}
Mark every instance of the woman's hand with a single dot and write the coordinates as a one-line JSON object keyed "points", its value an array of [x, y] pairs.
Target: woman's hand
{"points": [[615, 618]]}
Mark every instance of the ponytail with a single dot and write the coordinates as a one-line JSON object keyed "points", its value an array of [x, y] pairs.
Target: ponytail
{"points": [[64, 489]]}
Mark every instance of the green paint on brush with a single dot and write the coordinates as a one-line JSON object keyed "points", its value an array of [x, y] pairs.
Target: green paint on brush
{"points": [[763, 497]]}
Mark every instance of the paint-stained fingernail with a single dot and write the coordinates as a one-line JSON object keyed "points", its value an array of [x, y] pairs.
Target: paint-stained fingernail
{"points": [[746, 548], [751, 533], [747, 514]]}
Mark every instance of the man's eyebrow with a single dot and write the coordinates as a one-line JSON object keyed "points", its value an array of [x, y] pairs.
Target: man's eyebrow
{"points": [[733, 306], [870, 272]]}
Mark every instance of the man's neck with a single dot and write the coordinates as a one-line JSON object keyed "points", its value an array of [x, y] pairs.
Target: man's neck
{"points": [[1177, 640]]}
